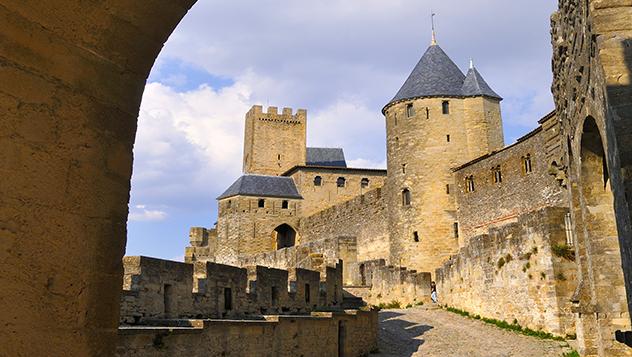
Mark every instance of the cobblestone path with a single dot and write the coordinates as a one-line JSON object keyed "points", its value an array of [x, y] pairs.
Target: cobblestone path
{"points": [[431, 332]]}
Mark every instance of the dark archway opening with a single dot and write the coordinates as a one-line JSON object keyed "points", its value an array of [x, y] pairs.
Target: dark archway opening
{"points": [[284, 236]]}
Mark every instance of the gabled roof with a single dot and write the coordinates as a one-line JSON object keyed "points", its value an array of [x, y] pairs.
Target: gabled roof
{"points": [[326, 157], [434, 75], [262, 186], [475, 85]]}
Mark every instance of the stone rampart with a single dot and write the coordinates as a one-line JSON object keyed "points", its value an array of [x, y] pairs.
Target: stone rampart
{"points": [[156, 289], [512, 274], [349, 333]]}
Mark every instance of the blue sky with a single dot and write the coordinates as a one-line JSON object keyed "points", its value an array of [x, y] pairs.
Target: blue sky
{"points": [[342, 60]]}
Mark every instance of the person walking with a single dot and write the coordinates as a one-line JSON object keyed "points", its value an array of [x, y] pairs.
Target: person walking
{"points": [[433, 292]]}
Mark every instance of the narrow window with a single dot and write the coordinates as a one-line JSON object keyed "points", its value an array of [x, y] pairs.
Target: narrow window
{"points": [[447, 137], [228, 299], [527, 168], [364, 183], [445, 107], [403, 168], [275, 295], [498, 176], [416, 236], [568, 225], [447, 189], [397, 140], [279, 157], [395, 117], [285, 204], [229, 204], [427, 113], [318, 181], [340, 182], [405, 197], [307, 293], [469, 184], [410, 110], [261, 203], [456, 229]]}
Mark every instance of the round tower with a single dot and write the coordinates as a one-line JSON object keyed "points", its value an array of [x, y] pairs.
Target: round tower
{"points": [[438, 120]]}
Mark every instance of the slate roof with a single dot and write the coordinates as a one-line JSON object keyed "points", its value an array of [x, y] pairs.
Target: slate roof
{"points": [[475, 85], [436, 75], [262, 186], [326, 157]]}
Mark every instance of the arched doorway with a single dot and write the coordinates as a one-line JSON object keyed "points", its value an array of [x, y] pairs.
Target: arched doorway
{"points": [[284, 236], [604, 307]]}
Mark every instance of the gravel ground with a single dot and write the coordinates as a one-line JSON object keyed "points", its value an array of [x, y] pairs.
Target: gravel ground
{"points": [[434, 332]]}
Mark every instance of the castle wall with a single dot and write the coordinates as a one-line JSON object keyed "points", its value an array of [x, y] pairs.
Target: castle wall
{"points": [[328, 194], [363, 217], [317, 335], [243, 228], [519, 191], [592, 67], [377, 283], [483, 126], [155, 289], [273, 142], [512, 273]]}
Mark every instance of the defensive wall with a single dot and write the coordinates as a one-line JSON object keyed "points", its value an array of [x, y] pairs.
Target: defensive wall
{"points": [[496, 188], [522, 271], [350, 333], [161, 289]]}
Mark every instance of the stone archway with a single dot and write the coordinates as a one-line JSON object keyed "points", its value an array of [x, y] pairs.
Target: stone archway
{"points": [[602, 300], [72, 74], [284, 236]]}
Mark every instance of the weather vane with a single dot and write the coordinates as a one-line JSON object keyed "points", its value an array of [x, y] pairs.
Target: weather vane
{"points": [[434, 36]]}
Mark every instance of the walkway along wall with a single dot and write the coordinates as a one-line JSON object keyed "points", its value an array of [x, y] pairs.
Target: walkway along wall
{"points": [[513, 273], [352, 333]]}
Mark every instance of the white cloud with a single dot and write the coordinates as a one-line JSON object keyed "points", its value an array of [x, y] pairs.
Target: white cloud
{"points": [[140, 213]]}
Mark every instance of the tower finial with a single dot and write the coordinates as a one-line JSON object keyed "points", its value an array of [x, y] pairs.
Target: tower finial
{"points": [[471, 63], [434, 35]]}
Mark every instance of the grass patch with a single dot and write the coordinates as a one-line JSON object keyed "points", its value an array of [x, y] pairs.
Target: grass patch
{"points": [[571, 354], [391, 305], [508, 326], [564, 251]]}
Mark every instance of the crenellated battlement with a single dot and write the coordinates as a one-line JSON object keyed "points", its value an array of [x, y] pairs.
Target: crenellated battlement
{"points": [[287, 115]]}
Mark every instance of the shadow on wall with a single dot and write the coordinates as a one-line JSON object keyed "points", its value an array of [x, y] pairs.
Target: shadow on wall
{"points": [[398, 337]]}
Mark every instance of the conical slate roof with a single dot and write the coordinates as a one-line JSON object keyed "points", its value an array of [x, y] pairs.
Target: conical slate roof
{"points": [[475, 85], [436, 75]]}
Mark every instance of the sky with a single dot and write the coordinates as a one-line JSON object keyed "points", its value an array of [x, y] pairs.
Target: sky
{"points": [[342, 60]]}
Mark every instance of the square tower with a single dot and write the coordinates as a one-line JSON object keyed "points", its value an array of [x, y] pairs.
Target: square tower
{"points": [[273, 142]]}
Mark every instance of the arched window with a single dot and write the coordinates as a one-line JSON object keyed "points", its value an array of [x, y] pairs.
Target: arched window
{"points": [[445, 107], [340, 182], [284, 236], [261, 203], [318, 181], [498, 177], [285, 204], [364, 183], [406, 198], [469, 184], [527, 167]]}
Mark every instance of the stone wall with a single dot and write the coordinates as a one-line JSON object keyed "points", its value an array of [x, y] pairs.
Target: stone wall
{"points": [[352, 334], [519, 191], [363, 218], [376, 283], [244, 228], [317, 198], [273, 142], [160, 289], [592, 68], [512, 273]]}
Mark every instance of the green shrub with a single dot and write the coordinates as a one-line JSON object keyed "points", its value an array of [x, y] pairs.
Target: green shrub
{"points": [[564, 251], [571, 354]]}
